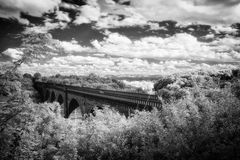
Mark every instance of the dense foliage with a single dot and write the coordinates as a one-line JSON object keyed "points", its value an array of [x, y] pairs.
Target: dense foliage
{"points": [[179, 86], [200, 119]]}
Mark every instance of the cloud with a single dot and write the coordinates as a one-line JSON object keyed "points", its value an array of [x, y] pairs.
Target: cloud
{"points": [[48, 25], [227, 48], [69, 6], [63, 16], [112, 14], [180, 46], [106, 14], [67, 65], [13, 8], [89, 13], [224, 29], [72, 46], [139, 12], [129, 18], [187, 11], [13, 53], [83, 65]]}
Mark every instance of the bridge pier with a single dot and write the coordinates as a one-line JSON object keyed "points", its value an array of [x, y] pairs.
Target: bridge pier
{"points": [[65, 110]]}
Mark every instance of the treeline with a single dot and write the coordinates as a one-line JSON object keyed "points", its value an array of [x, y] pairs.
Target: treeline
{"points": [[179, 86], [92, 81], [199, 119]]}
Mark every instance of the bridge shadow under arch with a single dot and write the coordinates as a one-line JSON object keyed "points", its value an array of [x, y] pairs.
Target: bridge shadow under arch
{"points": [[72, 106], [41, 94], [53, 97], [60, 99], [47, 95]]}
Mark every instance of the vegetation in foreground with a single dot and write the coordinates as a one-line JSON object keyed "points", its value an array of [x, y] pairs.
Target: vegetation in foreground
{"points": [[200, 119]]}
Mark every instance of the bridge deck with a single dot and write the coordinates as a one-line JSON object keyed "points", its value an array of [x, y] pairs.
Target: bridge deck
{"points": [[122, 96]]}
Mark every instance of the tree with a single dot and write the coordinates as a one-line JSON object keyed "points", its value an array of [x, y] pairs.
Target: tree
{"points": [[58, 75], [27, 75], [163, 82], [37, 76], [36, 46]]}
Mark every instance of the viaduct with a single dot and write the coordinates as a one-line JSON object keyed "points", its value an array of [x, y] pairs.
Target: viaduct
{"points": [[72, 97]]}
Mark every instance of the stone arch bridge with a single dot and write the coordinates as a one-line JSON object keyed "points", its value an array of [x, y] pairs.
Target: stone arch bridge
{"points": [[85, 99]]}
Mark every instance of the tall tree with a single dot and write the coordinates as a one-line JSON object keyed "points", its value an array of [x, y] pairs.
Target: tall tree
{"points": [[37, 46]]}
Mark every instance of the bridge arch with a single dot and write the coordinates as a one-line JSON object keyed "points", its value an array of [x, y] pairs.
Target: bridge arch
{"points": [[53, 97], [81, 100], [47, 95], [72, 106], [60, 99]]}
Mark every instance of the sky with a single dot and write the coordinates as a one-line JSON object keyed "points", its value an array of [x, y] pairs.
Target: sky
{"points": [[134, 38]]}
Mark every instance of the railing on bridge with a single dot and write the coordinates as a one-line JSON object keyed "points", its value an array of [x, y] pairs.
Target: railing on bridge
{"points": [[129, 97]]}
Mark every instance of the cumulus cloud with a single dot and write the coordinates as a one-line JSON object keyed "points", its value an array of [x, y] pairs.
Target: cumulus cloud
{"points": [[68, 65], [13, 53], [222, 11], [106, 13], [63, 16], [72, 46], [180, 46], [227, 48], [90, 12], [13, 8], [130, 18], [109, 14], [69, 6], [224, 29], [83, 65]]}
